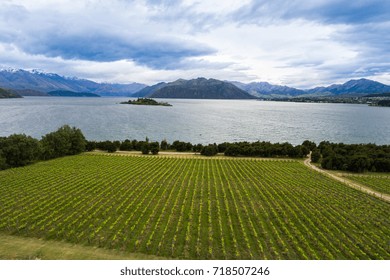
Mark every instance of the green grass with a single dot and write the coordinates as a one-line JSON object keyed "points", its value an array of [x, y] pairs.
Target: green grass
{"points": [[380, 183], [26, 248], [189, 208]]}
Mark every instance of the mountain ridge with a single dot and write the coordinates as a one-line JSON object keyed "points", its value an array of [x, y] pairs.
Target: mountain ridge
{"points": [[18, 79], [39, 83], [355, 86], [265, 89], [200, 88]]}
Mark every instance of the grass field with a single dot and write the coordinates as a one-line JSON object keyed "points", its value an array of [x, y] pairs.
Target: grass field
{"points": [[27, 248], [194, 208], [377, 182]]}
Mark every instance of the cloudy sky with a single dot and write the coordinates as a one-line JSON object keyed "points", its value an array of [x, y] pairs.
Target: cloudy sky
{"points": [[300, 43]]}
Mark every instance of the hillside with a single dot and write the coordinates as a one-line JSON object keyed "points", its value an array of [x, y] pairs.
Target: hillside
{"points": [[264, 89], [200, 88], [46, 82], [352, 87], [149, 90], [7, 94]]}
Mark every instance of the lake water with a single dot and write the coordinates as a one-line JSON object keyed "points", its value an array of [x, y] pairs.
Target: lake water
{"points": [[198, 121]]}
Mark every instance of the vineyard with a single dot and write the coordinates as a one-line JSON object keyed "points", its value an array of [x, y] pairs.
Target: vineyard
{"points": [[190, 208], [379, 183]]}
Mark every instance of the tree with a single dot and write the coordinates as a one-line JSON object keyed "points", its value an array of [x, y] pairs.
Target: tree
{"points": [[154, 147], [78, 142], [135, 145], [3, 161], [315, 156], [222, 147], [210, 150], [91, 145], [126, 145], [197, 148], [19, 150], [110, 147], [382, 165], [309, 144], [180, 146], [65, 141], [164, 145], [145, 149], [359, 163]]}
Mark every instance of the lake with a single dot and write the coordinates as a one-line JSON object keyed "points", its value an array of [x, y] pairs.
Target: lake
{"points": [[198, 121]]}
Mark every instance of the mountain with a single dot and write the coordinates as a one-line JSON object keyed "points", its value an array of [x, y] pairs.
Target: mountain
{"points": [[199, 88], [7, 94], [46, 82], [35, 83], [68, 93], [107, 89], [149, 90], [264, 89], [352, 87]]}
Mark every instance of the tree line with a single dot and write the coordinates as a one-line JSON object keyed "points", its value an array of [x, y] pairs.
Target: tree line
{"points": [[247, 149], [19, 149], [353, 157], [346, 157]]}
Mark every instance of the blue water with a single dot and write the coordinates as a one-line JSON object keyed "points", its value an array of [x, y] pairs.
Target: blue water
{"points": [[198, 121]]}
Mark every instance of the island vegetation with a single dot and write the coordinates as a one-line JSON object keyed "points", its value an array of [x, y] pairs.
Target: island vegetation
{"points": [[146, 101]]}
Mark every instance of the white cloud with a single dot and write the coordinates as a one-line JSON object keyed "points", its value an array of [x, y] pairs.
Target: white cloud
{"points": [[215, 7], [161, 40]]}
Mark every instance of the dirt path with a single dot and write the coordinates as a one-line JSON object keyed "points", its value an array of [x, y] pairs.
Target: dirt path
{"points": [[347, 182]]}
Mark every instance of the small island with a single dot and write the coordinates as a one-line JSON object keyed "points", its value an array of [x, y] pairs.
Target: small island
{"points": [[146, 101]]}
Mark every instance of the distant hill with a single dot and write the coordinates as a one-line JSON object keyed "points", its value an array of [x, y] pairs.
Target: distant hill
{"points": [[149, 90], [378, 95], [352, 87], [7, 94], [264, 89], [200, 88], [28, 92], [46, 82], [71, 93], [35, 83]]}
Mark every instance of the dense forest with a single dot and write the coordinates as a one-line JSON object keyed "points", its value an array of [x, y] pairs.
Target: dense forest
{"points": [[19, 150], [353, 157]]}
